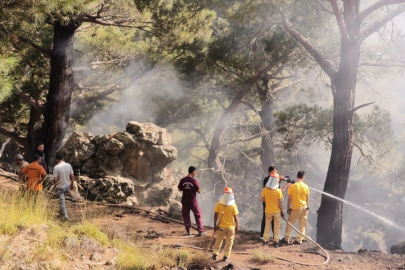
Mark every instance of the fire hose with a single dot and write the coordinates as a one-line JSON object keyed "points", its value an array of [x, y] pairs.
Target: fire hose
{"points": [[236, 252]]}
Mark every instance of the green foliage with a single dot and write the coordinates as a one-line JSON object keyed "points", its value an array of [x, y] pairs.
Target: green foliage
{"points": [[301, 124], [7, 65]]}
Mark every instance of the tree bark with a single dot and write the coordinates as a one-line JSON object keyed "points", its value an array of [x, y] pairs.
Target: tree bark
{"points": [[33, 134], [267, 156], [329, 223], [56, 116]]}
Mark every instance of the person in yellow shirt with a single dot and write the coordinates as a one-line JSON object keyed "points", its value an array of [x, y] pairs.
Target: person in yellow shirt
{"points": [[272, 196], [35, 174], [297, 205], [226, 213]]}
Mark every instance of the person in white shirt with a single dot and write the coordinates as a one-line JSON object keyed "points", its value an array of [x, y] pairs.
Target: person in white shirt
{"points": [[64, 180]]}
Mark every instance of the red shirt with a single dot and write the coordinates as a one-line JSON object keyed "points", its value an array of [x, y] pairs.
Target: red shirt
{"points": [[189, 186]]}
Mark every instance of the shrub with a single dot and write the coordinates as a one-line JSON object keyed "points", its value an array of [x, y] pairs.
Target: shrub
{"points": [[260, 257]]}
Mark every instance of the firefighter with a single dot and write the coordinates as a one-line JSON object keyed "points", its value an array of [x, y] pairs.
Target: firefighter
{"points": [[190, 187], [297, 205], [226, 214], [272, 171], [272, 196]]}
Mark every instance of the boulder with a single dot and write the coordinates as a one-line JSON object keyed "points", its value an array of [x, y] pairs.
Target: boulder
{"points": [[110, 189], [77, 149], [161, 155], [398, 248], [113, 165], [99, 142], [175, 210], [143, 169], [149, 133], [127, 139], [113, 147], [90, 166]]}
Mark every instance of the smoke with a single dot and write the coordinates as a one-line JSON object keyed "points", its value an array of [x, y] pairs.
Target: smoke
{"points": [[148, 93]]}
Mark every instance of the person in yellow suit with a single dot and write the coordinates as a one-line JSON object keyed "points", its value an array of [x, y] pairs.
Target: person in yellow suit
{"points": [[297, 205], [227, 214], [272, 196]]}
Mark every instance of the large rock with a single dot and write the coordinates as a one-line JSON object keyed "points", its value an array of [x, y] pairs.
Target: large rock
{"points": [[77, 149], [398, 248], [161, 155], [141, 154], [149, 133], [113, 147], [109, 189]]}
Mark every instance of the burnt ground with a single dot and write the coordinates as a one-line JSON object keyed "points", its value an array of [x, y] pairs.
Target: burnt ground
{"points": [[138, 226]]}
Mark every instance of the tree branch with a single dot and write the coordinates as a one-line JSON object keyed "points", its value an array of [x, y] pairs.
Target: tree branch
{"points": [[14, 136], [325, 65], [95, 19], [360, 18], [339, 18], [248, 138], [26, 41], [388, 65], [286, 86], [323, 7], [33, 103], [78, 103], [380, 23], [361, 106], [250, 106]]}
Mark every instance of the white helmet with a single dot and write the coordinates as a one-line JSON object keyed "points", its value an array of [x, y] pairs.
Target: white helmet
{"points": [[227, 198], [273, 181]]}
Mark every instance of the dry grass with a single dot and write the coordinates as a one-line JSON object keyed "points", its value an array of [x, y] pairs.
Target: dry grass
{"points": [[133, 257], [261, 257], [22, 210]]}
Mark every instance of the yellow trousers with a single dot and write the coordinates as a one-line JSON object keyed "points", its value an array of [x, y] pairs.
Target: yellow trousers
{"points": [[300, 214], [277, 222], [229, 233]]}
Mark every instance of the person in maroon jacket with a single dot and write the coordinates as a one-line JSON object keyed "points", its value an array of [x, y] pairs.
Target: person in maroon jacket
{"points": [[190, 186]]}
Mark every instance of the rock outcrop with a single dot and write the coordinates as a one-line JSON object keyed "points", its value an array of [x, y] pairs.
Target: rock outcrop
{"points": [[398, 248], [129, 166]]}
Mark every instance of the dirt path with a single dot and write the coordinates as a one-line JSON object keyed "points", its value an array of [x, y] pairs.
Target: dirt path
{"points": [[137, 226]]}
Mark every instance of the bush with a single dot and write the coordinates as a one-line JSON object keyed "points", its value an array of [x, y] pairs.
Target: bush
{"points": [[260, 257]]}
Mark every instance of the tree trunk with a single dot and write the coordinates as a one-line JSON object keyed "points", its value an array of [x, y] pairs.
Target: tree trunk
{"points": [[267, 156], [61, 86], [329, 224], [216, 141], [33, 134]]}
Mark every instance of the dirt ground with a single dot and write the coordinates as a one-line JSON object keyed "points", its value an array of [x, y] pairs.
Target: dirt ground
{"points": [[138, 226]]}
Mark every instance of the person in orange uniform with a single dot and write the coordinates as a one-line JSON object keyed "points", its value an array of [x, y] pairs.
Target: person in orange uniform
{"points": [[272, 196], [297, 205], [35, 174], [227, 214]]}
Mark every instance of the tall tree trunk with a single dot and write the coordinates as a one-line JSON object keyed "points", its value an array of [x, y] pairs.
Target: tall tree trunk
{"points": [[329, 224], [33, 135], [61, 85], [216, 141], [267, 156]]}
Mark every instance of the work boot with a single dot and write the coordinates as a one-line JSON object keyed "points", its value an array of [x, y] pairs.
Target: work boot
{"points": [[276, 244], [214, 257], [225, 259], [188, 233], [284, 242], [201, 234], [296, 243]]}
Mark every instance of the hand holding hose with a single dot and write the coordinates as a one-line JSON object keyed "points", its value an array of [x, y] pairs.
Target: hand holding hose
{"points": [[289, 211]]}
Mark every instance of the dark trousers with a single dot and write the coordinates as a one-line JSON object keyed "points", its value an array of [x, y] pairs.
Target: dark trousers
{"points": [[264, 222], [192, 206]]}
